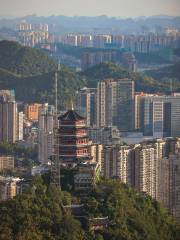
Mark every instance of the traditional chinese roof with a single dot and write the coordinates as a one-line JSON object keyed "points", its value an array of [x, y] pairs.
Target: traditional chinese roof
{"points": [[71, 115]]}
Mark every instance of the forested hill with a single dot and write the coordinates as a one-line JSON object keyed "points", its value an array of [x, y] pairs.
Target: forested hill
{"points": [[167, 75], [30, 72], [109, 70], [39, 214], [24, 61]]}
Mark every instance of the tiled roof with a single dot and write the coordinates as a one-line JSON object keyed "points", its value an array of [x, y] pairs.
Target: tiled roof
{"points": [[71, 115]]}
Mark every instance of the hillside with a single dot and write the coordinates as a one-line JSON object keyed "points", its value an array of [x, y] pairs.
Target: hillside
{"points": [[166, 75], [41, 88], [24, 61], [39, 214], [30, 72]]}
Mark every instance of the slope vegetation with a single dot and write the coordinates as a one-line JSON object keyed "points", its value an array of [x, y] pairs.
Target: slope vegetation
{"points": [[39, 213]]}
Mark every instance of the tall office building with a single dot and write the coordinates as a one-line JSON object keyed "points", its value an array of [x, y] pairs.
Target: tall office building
{"points": [[158, 115], [45, 134], [8, 116], [115, 104], [86, 105]]}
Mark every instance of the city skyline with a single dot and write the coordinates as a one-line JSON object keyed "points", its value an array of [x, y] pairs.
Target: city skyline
{"points": [[116, 8]]}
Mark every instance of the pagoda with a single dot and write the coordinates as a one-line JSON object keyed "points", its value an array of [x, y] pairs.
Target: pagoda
{"points": [[73, 140]]}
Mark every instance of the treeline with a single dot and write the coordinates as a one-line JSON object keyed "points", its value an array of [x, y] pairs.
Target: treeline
{"points": [[18, 152], [167, 76]]}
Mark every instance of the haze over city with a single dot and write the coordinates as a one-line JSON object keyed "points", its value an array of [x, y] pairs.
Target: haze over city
{"points": [[117, 8], [89, 119]]}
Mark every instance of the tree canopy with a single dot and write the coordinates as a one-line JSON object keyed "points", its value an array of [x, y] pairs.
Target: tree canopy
{"points": [[39, 214]]}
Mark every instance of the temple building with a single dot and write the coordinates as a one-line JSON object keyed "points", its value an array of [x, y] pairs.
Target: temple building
{"points": [[73, 150], [73, 139]]}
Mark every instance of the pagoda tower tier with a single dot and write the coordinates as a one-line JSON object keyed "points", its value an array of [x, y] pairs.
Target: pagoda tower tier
{"points": [[73, 142]]}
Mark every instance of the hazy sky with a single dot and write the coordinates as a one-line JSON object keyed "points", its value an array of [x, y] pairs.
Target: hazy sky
{"points": [[119, 8]]}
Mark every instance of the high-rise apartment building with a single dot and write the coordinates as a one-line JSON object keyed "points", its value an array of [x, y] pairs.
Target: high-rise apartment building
{"points": [[84, 40], [89, 59], [32, 34], [86, 105], [117, 163], [151, 167], [115, 104], [8, 116], [45, 133], [100, 41], [145, 178]]}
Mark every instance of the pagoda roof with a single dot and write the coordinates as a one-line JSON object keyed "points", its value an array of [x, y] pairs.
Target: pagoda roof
{"points": [[71, 115]]}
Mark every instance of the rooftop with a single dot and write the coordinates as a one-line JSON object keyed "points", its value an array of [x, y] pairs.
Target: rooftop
{"points": [[71, 115]]}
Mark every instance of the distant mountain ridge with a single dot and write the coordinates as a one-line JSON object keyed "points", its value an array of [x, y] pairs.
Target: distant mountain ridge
{"points": [[85, 23]]}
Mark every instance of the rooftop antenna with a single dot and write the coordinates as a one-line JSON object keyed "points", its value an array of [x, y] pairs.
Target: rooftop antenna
{"points": [[56, 94], [56, 88], [171, 86], [55, 166]]}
